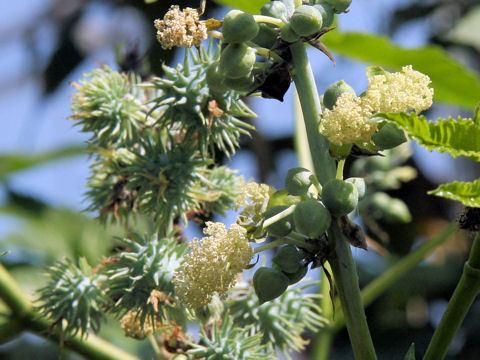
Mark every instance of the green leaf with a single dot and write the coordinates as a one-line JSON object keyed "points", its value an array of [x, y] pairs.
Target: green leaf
{"points": [[453, 82], [4, 253], [251, 6], [468, 193], [10, 163], [410, 353], [476, 115], [458, 137]]}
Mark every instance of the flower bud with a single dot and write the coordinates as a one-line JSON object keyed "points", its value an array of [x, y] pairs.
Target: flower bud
{"points": [[276, 9], [340, 197], [359, 184], [327, 13], [339, 151], [288, 259], [306, 20], [269, 283], [311, 218], [282, 227], [298, 181], [339, 6], [237, 60], [389, 209], [333, 92], [239, 26], [287, 34], [388, 137]]}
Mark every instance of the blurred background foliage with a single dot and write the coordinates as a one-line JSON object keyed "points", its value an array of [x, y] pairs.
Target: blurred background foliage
{"points": [[43, 168]]}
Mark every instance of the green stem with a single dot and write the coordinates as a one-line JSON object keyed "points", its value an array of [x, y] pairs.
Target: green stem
{"points": [[291, 239], [340, 166], [268, 246], [92, 347], [465, 293], [272, 220], [394, 273], [346, 282], [323, 164], [343, 267], [268, 20]]}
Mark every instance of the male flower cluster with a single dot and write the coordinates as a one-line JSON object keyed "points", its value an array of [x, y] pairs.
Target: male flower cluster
{"points": [[180, 28], [253, 198], [212, 264], [349, 120]]}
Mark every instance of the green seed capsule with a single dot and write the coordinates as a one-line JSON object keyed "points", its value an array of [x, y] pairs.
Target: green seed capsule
{"points": [[266, 37], [239, 26], [215, 79], [269, 283], [388, 137], [246, 83], [359, 184], [298, 181], [298, 275], [311, 218], [333, 92], [340, 197], [306, 20], [282, 227], [276, 9], [288, 259], [237, 61], [287, 34], [327, 13], [339, 6], [389, 209]]}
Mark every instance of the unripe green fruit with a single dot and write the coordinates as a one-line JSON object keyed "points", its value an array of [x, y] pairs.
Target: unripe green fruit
{"points": [[306, 20], [327, 13], [215, 79], [282, 227], [269, 283], [246, 83], [276, 9], [359, 184], [389, 209], [239, 26], [288, 259], [287, 34], [311, 218], [333, 92], [282, 197], [340, 197], [237, 61], [388, 137], [298, 275], [266, 37], [339, 6], [298, 181]]}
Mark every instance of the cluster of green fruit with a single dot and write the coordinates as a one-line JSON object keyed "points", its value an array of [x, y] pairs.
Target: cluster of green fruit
{"points": [[311, 217], [236, 69]]}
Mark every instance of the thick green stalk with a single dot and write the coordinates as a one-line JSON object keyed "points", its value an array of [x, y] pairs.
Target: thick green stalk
{"points": [[346, 282], [465, 293], [92, 347], [343, 266], [393, 274]]}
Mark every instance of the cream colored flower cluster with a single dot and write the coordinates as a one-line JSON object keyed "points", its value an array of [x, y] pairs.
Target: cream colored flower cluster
{"points": [[253, 198], [212, 264], [180, 28], [131, 324], [349, 120]]}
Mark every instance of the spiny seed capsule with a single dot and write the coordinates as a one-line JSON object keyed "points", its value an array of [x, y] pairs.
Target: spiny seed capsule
{"points": [[297, 275], [311, 218], [237, 60], [359, 184], [339, 6], [215, 79], [276, 9], [246, 83], [287, 34], [298, 181], [306, 20], [333, 92], [266, 37], [388, 137], [239, 26], [340, 197], [327, 13], [288, 259], [282, 227], [269, 283]]}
